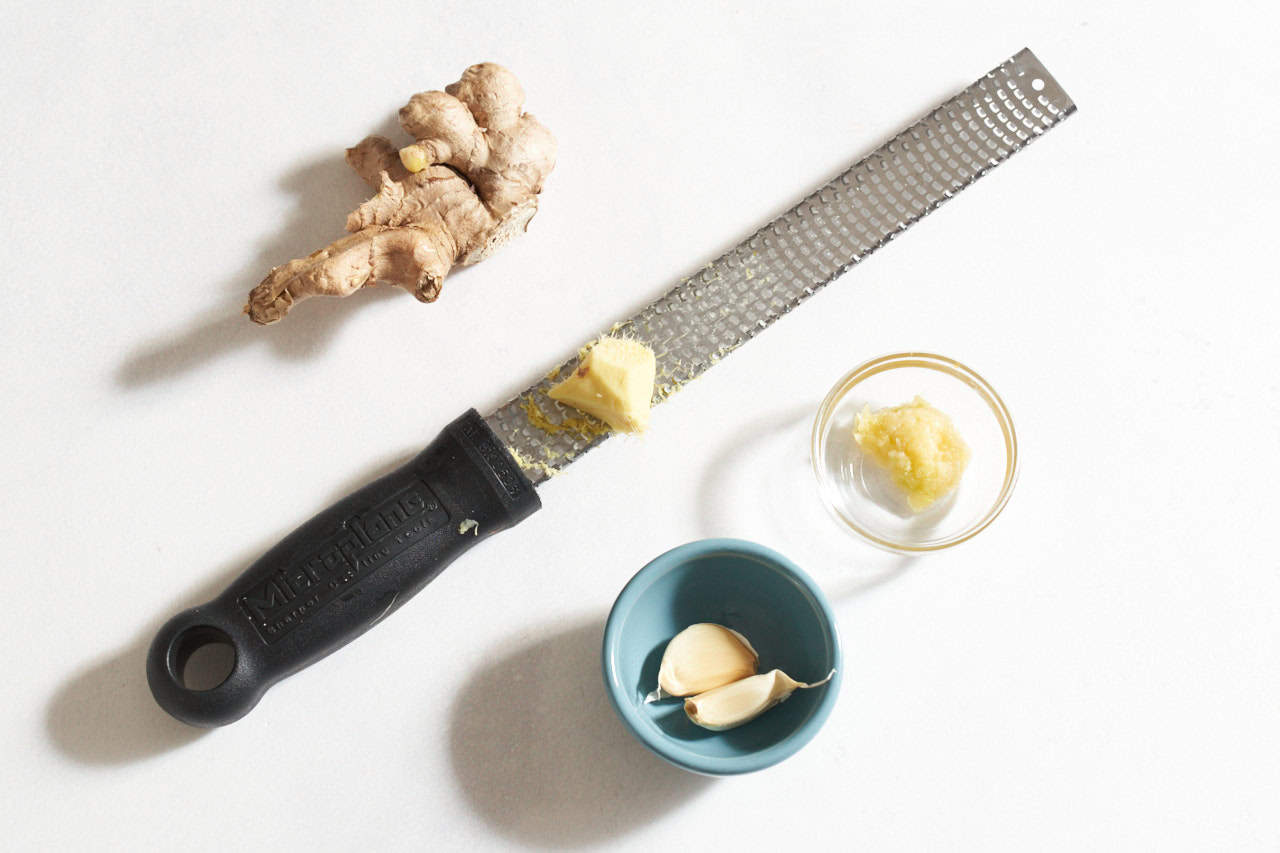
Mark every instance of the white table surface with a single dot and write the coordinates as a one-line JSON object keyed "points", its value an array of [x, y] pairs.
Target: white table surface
{"points": [[1100, 669]]}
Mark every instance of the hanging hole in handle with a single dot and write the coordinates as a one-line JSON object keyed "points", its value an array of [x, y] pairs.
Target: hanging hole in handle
{"points": [[202, 658], [1037, 84]]}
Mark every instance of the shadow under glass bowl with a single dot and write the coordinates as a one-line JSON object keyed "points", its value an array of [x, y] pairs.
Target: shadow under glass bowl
{"points": [[860, 496]]}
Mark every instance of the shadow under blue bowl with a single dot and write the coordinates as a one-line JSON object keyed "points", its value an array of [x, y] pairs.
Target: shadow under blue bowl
{"points": [[757, 592]]}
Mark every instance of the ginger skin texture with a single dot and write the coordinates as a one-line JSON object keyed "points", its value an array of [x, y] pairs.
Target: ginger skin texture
{"points": [[467, 185]]}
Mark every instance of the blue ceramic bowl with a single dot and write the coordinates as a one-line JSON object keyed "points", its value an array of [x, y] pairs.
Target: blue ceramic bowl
{"points": [[753, 590]]}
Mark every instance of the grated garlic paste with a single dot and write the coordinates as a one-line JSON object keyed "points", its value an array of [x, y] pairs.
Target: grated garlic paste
{"points": [[917, 445]]}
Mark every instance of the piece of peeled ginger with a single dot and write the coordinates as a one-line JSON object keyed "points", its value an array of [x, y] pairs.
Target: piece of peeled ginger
{"points": [[742, 701], [613, 382], [703, 656]]}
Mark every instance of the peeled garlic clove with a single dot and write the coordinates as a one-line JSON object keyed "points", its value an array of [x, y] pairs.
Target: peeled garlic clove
{"points": [[742, 701], [703, 656]]}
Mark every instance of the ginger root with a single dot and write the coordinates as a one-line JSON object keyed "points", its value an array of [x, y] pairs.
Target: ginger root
{"points": [[467, 185]]}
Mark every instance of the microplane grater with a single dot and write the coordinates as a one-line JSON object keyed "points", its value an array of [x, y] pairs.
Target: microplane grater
{"points": [[355, 562], [741, 293]]}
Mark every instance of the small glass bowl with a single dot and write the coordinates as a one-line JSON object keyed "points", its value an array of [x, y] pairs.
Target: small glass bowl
{"points": [[860, 496]]}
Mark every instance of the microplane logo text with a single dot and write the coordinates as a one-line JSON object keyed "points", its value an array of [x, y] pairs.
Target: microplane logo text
{"points": [[360, 544]]}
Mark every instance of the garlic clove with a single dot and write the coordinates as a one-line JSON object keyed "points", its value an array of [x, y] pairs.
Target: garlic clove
{"points": [[742, 701], [703, 656]]}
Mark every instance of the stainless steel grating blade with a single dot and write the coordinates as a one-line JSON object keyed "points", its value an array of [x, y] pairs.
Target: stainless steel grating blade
{"points": [[732, 299]]}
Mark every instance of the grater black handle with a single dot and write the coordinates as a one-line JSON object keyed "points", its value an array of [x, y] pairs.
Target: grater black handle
{"points": [[336, 576]]}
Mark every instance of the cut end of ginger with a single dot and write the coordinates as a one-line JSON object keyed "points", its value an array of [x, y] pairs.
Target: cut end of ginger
{"points": [[918, 446], [613, 382]]}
